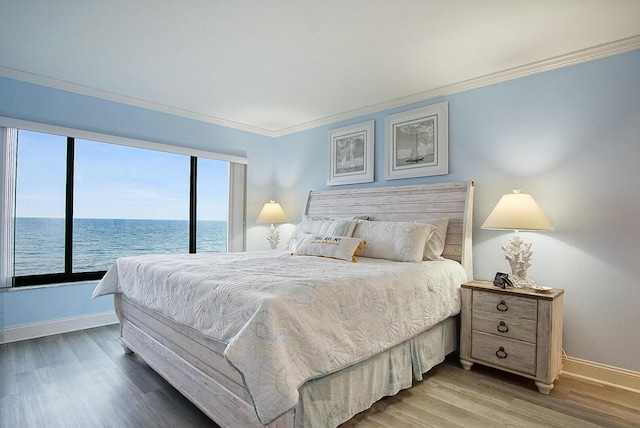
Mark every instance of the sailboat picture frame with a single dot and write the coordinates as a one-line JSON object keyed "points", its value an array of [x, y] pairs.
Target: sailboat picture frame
{"points": [[351, 154], [417, 142]]}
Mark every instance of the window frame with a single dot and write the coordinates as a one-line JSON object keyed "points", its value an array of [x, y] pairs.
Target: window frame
{"points": [[237, 195]]}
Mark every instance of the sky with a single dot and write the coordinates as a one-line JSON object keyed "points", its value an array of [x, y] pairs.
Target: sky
{"points": [[114, 181]]}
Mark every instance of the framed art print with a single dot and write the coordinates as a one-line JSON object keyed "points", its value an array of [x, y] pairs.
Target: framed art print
{"points": [[351, 154], [417, 142]]}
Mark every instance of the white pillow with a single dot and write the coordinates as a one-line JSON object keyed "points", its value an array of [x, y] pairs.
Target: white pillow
{"points": [[323, 226], [435, 243], [391, 240], [335, 247]]}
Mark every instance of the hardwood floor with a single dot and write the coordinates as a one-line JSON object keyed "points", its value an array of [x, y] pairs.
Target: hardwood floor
{"points": [[484, 397], [83, 379]]}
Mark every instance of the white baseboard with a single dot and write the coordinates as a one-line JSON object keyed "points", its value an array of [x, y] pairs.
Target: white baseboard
{"points": [[601, 373], [61, 325]]}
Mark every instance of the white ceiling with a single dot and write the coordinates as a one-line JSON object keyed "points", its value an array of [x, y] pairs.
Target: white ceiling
{"points": [[278, 66]]}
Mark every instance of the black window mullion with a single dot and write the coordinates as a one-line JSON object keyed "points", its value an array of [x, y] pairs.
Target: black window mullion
{"points": [[68, 226], [193, 203]]}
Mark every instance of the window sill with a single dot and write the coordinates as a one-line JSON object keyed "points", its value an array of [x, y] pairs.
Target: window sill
{"points": [[58, 284]]}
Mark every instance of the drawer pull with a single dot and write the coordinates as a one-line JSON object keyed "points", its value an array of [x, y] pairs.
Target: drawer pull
{"points": [[502, 306], [500, 353], [502, 327]]}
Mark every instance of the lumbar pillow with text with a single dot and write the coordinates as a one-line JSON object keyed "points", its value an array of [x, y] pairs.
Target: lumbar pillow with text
{"points": [[324, 226], [335, 247]]}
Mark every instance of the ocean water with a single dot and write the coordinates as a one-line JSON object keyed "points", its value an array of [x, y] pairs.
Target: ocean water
{"points": [[97, 243]]}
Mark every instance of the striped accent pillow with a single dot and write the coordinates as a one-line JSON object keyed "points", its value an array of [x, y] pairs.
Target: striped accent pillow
{"points": [[337, 227]]}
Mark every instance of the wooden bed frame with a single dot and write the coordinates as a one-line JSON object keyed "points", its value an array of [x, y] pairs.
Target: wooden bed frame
{"points": [[195, 365]]}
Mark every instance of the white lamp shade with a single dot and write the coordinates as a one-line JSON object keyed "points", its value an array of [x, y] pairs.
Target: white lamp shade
{"points": [[517, 211], [272, 213]]}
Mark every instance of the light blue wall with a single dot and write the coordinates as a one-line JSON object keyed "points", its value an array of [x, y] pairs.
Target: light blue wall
{"points": [[571, 137], [568, 136], [38, 304]]}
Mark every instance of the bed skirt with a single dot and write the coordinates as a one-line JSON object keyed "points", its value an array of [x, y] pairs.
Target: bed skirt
{"points": [[333, 399]]}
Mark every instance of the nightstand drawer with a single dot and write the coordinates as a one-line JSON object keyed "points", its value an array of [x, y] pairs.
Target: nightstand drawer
{"points": [[503, 352], [505, 325], [506, 305]]}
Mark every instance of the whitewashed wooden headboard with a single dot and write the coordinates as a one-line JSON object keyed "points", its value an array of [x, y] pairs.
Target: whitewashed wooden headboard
{"points": [[420, 203]]}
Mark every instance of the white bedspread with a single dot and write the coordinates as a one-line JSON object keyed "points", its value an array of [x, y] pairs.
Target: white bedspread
{"points": [[287, 319]]}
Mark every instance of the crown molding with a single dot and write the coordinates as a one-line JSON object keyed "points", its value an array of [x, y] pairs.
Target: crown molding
{"points": [[577, 57], [573, 58], [49, 82]]}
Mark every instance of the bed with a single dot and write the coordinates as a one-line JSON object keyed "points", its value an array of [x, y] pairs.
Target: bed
{"points": [[252, 374]]}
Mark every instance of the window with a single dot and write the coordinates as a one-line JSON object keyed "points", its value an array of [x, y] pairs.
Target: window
{"points": [[40, 204], [80, 204], [211, 231], [127, 201]]}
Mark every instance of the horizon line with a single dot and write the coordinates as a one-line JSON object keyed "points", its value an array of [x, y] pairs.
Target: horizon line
{"points": [[113, 218]]}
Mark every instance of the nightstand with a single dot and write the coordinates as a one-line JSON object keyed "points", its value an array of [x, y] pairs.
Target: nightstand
{"points": [[513, 329]]}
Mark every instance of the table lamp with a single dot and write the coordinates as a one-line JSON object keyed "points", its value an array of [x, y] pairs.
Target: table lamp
{"points": [[272, 213], [518, 211]]}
